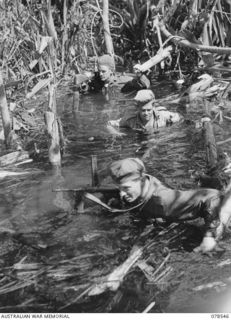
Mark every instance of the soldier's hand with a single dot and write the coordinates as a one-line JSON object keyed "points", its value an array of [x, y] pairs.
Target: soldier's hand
{"points": [[114, 123], [208, 244]]}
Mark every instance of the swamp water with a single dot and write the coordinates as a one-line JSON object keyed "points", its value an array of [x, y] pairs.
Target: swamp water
{"points": [[50, 255]]}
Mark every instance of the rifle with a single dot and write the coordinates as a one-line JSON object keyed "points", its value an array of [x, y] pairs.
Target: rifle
{"points": [[82, 80], [90, 189], [85, 193]]}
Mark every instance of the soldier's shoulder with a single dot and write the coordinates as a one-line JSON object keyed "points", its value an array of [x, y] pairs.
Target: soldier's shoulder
{"points": [[131, 117], [122, 79], [128, 121]]}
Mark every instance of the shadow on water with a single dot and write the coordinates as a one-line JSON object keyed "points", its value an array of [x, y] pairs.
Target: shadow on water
{"points": [[50, 255]]}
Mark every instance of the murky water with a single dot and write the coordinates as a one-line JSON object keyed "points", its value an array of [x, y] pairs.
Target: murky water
{"points": [[65, 252]]}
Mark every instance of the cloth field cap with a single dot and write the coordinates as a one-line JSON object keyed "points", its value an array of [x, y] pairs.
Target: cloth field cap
{"points": [[126, 170], [144, 96], [106, 60]]}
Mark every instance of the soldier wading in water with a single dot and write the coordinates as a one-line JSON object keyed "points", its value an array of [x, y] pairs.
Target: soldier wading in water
{"points": [[148, 118], [158, 201]]}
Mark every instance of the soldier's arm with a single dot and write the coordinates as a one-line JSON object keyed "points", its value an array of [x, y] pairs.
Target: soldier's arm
{"points": [[175, 116], [213, 235], [144, 81], [224, 215], [114, 123], [121, 122], [167, 118]]}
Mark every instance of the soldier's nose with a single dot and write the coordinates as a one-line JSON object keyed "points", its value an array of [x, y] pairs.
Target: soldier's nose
{"points": [[122, 193]]}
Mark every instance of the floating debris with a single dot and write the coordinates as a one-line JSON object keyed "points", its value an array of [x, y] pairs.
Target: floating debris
{"points": [[114, 279], [149, 307], [210, 285], [224, 263]]}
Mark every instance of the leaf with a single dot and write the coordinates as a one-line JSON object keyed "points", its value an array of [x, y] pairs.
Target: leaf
{"points": [[72, 50], [205, 81], [210, 23], [2, 137], [93, 7], [214, 27], [44, 43], [33, 64], [195, 7], [220, 29], [13, 105], [17, 125], [205, 35], [41, 84]]}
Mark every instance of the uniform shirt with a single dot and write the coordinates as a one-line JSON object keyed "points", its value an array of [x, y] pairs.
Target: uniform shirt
{"points": [[109, 90], [97, 85], [161, 118], [176, 205], [136, 84]]}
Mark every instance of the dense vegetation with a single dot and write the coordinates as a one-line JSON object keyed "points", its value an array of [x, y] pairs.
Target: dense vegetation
{"points": [[77, 29]]}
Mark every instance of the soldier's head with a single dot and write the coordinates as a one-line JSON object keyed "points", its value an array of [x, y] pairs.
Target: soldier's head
{"points": [[145, 104], [129, 175], [106, 67]]}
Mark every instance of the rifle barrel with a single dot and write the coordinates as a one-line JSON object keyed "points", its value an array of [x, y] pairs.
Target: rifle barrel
{"points": [[90, 189]]}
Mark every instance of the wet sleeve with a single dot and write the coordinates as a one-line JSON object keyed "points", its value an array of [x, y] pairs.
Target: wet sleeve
{"points": [[167, 118], [212, 216], [153, 208], [225, 209], [215, 222], [144, 82], [122, 122], [132, 86], [224, 215]]}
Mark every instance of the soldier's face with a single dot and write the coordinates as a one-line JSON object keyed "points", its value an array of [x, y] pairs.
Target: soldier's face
{"points": [[131, 190], [105, 73], [138, 73], [146, 112]]}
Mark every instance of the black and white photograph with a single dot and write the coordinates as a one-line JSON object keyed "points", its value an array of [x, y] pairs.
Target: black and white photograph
{"points": [[115, 158]]}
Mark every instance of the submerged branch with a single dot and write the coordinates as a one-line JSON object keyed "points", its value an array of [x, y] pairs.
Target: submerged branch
{"points": [[199, 47], [114, 279]]}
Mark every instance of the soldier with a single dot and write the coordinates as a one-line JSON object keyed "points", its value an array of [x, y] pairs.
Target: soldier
{"points": [[105, 78], [148, 117], [158, 201], [106, 69]]}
